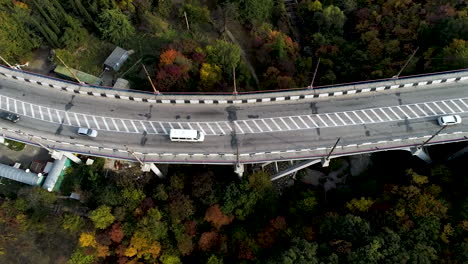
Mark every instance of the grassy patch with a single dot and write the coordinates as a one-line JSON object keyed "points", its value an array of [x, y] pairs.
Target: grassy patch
{"points": [[16, 146], [88, 57]]}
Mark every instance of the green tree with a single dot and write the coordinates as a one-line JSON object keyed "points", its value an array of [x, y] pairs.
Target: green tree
{"points": [[256, 11], [102, 217], [115, 26], [73, 223], [225, 54], [169, 259]]}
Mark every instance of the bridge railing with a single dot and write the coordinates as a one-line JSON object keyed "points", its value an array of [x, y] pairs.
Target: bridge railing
{"points": [[253, 96]]}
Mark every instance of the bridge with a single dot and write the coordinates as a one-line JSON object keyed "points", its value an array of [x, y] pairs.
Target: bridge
{"points": [[247, 128]]}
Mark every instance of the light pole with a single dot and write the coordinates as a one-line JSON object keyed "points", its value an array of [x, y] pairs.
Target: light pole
{"points": [[433, 136]]}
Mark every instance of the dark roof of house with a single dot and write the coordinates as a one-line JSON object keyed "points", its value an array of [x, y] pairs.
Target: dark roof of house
{"points": [[116, 59]]}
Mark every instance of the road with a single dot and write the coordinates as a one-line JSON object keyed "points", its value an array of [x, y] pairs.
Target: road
{"points": [[257, 132]]}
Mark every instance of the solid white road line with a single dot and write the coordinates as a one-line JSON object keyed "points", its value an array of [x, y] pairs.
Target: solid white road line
{"points": [[16, 107], [258, 127], [170, 124]]}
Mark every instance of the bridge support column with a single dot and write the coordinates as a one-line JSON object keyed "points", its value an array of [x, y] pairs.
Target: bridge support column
{"points": [[421, 153], [239, 169], [152, 167], [294, 169], [325, 162]]}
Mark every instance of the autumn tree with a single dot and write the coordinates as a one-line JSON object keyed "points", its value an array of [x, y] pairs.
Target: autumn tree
{"points": [[102, 217], [208, 240], [216, 217], [116, 233]]}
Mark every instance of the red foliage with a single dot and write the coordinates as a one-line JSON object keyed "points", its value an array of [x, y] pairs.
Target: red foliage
{"points": [[245, 252], [191, 228], [217, 217], [278, 223], [116, 233], [208, 240]]}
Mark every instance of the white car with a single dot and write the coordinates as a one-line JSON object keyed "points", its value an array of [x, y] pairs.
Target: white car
{"points": [[87, 132], [449, 120]]}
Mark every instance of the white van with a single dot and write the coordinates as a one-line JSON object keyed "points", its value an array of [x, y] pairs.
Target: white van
{"points": [[186, 135]]}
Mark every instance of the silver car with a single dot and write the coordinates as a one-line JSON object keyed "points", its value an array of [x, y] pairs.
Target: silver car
{"points": [[449, 120], [87, 132]]}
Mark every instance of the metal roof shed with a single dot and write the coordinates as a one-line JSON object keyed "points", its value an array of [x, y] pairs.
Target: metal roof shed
{"points": [[116, 59], [54, 174], [20, 175]]}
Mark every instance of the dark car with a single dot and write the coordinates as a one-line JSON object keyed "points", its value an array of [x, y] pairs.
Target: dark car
{"points": [[10, 116]]}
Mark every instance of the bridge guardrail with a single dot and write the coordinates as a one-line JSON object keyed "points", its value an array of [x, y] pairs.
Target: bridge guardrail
{"points": [[249, 97]]}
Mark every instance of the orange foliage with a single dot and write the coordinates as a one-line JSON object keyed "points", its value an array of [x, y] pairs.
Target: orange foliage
{"points": [[20, 4], [208, 240], [217, 217], [168, 56], [116, 233]]}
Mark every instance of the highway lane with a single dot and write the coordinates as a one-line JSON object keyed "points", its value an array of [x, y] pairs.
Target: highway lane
{"points": [[315, 123]]}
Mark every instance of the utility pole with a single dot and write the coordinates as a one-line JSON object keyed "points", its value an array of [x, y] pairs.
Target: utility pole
{"points": [[333, 148], [315, 73], [234, 74], [151, 82], [406, 64], [433, 136], [66, 66], [6, 62], [186, 21]]}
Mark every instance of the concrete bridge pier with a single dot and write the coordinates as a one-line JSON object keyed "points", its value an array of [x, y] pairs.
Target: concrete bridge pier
{"points": [[239, 169], [145, 167], [421, 153]]}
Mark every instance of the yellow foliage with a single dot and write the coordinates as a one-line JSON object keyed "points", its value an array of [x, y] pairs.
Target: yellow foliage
{"points": [[400, 212], [210, 74], [448, 232], [102, 251], [464, 225], [130, 252], [139, 245], [88, 239], [360, 205], [417, 179]]}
